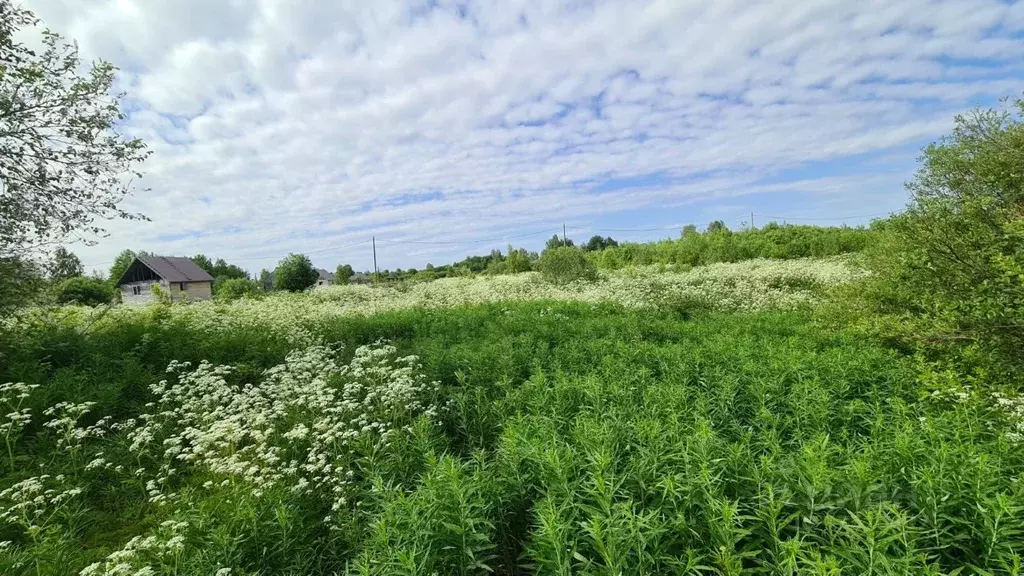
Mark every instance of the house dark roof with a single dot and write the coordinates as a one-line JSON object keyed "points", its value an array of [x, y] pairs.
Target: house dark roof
{"points": [[324, 274], [175, 269]]}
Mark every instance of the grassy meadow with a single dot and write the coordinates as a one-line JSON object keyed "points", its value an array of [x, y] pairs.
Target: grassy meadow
{"points": [[656, 421]]}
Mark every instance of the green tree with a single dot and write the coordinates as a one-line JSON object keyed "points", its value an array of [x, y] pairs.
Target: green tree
{"points": [[556, 242], [121, 263], [235, 288], [81, 290], [295, 273], [955, 256], [597, 243], [203, 262], [343, 273], [566, 264], [690, 230], [64, 264], [21, 281], [717, 226], [266, 280], [62, 161], [222, 269]]}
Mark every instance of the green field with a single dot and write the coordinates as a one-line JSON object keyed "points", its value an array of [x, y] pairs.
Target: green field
{"points": [[322, 434]]}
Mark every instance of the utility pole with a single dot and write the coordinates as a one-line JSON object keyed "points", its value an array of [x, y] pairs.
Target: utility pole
{"points": [[564, 243], [376, 275], [751, 220]]}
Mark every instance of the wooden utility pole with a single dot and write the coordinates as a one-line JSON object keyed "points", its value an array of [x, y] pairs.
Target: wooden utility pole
{"points": [[376, 275], [751, 220], [564, 243]]}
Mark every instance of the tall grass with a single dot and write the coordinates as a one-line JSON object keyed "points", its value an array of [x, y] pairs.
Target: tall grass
{"points": [[569, 438]]}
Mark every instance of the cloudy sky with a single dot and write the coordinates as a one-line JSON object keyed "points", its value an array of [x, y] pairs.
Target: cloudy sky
{"points": [[448, 128]]}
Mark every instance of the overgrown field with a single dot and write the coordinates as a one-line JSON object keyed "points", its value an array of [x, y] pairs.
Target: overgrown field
{"points": [[700, 422]]}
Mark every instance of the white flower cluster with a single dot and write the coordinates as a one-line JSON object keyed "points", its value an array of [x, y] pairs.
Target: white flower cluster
{"points": [[137, 557], [12, 397], [69, 435], [33, 502], [1013, 408], [293, 427], [750, 285]]}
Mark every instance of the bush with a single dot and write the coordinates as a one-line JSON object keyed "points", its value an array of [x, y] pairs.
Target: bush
{"points": [[235, 288], [954, 260], [87, 291], [566, 264], [295, 273]]}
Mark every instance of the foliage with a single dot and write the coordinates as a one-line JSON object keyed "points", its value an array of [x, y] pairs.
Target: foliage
{"points": [[266, 280], [21, 282], [531, 437], [221, 271], [557, 241], [343, 273], [295, 273], [954, 260], [64, 165], [566, 264], [597, 243], [81, 290], [694, 248], [717, 226], [121, 263], [235, 288], [64, 264], [517, 261], [204, 262]]}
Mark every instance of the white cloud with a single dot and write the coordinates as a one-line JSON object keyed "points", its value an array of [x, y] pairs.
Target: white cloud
{"points": [[282, 126]]}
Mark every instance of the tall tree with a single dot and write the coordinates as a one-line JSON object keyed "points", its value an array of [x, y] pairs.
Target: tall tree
{"points": [[203, 262], [343, 273], [557, 242], [64, 264], [266, 280], [63, 165], [597, 243], [717, 226], [295, 273], [121, 263], [222, 269]]}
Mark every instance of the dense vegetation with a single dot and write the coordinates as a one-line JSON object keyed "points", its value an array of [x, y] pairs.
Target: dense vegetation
{"points": [[560, 438], [755, 402], [719, 244]]}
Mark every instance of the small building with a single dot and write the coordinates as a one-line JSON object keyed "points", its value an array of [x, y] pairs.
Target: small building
{"points": [[360, 278], [180, 278], [324, 278]]}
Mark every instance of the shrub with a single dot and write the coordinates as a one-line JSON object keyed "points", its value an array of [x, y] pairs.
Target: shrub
{"points": [[235, 288], [955, 257], [566, 264], [295, 273], [87, 291]]}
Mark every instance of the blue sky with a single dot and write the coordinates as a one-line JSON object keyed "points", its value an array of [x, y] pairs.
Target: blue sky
{"points": [[450, 128]]}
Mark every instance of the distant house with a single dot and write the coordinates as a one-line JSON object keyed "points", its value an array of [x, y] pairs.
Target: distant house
{"points": [[324, 278], [180, 278], [359, 278]]}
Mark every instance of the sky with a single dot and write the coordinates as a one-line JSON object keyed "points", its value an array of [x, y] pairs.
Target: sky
{"points": [[447, 128]]}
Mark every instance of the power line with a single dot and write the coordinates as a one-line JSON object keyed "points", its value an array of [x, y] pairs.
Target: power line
{"points": [[831, 218], [464, 242]]}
